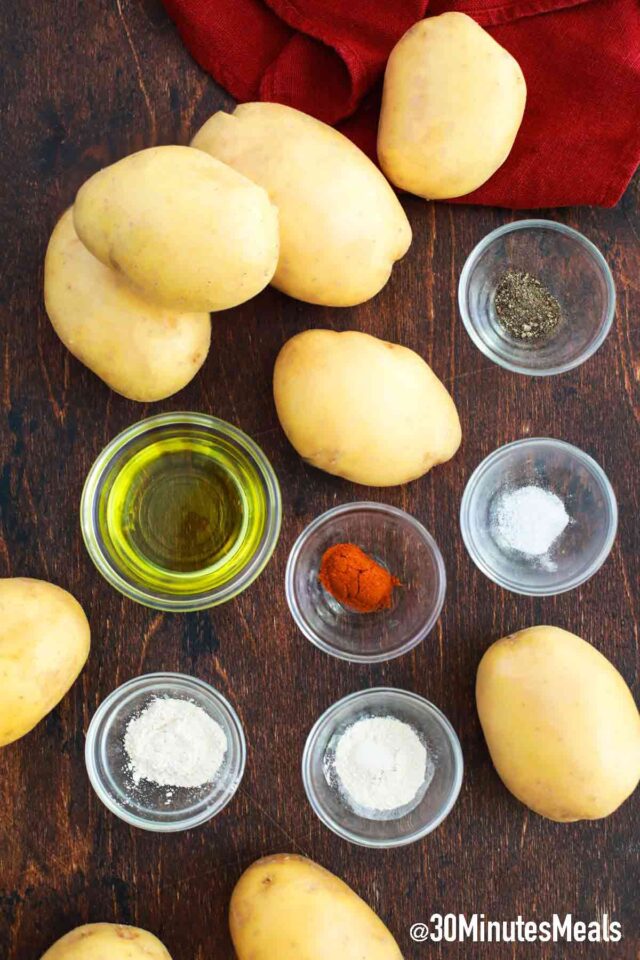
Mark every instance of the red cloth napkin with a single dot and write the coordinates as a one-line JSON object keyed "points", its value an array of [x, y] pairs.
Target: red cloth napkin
{"points": [[579, 142]]}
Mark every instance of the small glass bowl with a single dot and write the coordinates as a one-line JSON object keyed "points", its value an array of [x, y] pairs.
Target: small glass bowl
{"points": [[571, 268], [160, 809], [247, 469], [395, 540], [581, 484], [444, 775]]}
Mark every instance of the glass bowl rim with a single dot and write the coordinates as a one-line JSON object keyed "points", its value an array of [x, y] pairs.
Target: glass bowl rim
{"points": [[594, 469], [294, 607], [213, 597], [601, 264], [363, 695], [113, 700]]}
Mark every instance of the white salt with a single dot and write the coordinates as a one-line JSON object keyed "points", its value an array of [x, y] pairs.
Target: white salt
{"points": [[529, 519]]}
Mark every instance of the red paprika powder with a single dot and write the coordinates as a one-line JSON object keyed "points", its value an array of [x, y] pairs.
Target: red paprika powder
{"points": [[355, 579]]}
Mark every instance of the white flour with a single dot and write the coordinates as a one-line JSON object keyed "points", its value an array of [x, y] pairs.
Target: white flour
{"points": [[174, 743], [381, 763], [529, 519]]}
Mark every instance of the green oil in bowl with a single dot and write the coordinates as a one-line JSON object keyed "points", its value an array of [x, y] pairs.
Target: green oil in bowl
{"points": [[181, 511]]}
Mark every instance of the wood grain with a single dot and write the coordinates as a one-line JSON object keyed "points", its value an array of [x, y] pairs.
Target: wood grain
{"points": [[84, 84]]}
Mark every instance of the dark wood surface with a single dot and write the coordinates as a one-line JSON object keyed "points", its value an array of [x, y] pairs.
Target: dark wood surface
{"points": [[84, 84]]}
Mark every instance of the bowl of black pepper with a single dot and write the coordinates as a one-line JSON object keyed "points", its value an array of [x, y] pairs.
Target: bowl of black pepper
{"points": [[537, 297]]}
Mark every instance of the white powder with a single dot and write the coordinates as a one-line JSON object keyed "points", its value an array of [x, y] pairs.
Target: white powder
{"points": [[529, 519], [174, 743], [381, 763]]}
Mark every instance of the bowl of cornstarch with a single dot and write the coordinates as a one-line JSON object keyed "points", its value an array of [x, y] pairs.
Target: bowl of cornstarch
{"points": [[538, 516], [165, 752], [382, 767]]}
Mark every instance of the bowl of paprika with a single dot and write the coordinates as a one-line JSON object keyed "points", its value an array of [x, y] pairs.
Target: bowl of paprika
{"points": [[365, 582]]}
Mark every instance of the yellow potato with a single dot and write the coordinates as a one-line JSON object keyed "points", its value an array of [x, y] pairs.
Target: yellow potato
{"points": [[140, 349], [341, 226], [364, 409], [286, 907], [107, 941], [187, 230], [561, 725], [452, 105], [44, 643]]}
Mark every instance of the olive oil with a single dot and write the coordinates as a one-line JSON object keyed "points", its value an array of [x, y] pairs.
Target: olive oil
{"points": [[183, 514], [177, 506]]}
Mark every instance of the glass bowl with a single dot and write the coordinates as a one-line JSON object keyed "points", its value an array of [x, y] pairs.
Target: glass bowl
{"points": [[572, 269], [588, 497], [129, 563], [145, 805], [444, 777], [396, 541]]}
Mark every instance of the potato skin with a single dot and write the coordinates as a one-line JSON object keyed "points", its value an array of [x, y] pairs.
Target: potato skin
{"points": [[143, 351], [286, 907], [560, 722], [341, 225], [107, 941], [44, 643], [188, 231], [452, 105], [364, 409]]}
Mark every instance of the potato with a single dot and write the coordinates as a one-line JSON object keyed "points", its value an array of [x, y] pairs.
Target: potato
{"points": [[107, 941], [140, 349], [452, 104], [188, 231], [286, 907], [44, 643], [560, 723], [341, 226], [364, 409]]}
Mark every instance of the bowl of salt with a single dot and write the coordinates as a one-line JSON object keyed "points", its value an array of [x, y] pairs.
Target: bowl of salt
{"points": [[538, 517]]}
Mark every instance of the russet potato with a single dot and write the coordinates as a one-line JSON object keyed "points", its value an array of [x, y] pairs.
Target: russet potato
{"points": [[286, 907], [107, 941], [188, 231], [364, 409], [341, 226], [142, 350], [560, 722], [452, 105], [44, 643]]}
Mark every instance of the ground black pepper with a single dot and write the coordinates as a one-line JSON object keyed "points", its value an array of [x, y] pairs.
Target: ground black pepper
{"points": [[524, 306]]}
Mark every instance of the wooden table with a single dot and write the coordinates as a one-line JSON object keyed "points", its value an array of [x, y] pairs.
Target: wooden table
{"points": [[87, 83]]}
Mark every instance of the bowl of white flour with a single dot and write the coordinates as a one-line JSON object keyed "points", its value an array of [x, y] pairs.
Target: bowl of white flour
{"points": [[382, 767], [538, 516], [165, 752]]}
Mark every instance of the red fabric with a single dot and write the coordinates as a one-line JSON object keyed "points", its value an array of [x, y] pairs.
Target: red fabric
{"points": [[579, 142]]}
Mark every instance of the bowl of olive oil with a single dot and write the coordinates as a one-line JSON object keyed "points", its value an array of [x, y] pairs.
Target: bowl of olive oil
{"points": [[181, 511]]}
